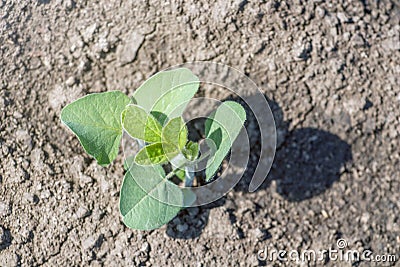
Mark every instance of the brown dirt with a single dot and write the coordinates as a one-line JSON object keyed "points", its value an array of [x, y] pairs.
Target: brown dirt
{"points": [[331, 71]]}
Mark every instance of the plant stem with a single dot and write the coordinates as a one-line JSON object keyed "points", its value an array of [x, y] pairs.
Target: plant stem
{"points": [[189, 176], [189, 170], [141, 143]]}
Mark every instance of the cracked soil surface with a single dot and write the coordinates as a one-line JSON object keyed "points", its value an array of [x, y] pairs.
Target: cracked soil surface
{"points": [[331, 70]]}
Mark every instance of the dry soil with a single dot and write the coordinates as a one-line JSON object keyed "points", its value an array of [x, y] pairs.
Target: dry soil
{"points": [[331, 70]]}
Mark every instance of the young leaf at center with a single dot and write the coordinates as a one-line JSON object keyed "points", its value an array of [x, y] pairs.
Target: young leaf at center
{"points": [[157, 153], [141, 125], [175, 133], [191, 151]]}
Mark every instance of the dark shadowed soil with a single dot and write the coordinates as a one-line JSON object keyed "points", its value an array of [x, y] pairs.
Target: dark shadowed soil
{"points": [[331, 70]]}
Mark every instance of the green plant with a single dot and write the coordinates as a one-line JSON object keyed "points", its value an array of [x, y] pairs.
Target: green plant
{"points": [[153, 116]]}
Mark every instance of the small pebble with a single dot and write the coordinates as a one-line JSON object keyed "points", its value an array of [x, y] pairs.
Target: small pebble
{"points": [[85, 179], [89, 32], [342, 17], [45, 194], [28, 198], [82, 212], [17, 115], [357, 40], [324, 214], [258, 234], [127, 52], [89, 242], [70, 81], [320, 12]]}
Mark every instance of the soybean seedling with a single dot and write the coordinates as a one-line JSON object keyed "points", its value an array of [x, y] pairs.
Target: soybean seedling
{"points": [[153, 116]]}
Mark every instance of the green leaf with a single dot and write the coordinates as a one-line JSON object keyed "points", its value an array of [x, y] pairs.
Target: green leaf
{"points": [[167, 93], [147, 200], [175, 133], [96, 120], [128, 162], [141, 125], [222, 127], [180, 174], [157, 153], [191, 151]]}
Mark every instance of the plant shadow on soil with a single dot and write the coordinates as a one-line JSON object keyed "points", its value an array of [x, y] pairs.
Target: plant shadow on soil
{"points": [[307, 162]]}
